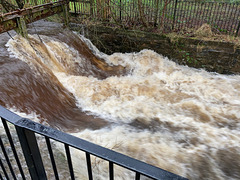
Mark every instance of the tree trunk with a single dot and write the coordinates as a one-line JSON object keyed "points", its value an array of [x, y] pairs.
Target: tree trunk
{"points": [[166, 2]]}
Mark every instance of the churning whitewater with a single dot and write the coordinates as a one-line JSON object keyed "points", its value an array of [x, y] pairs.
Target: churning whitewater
{"points": [[184, 120]]}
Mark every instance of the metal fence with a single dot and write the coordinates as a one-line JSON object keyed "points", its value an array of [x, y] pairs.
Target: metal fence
{"points": [[168, 15], [14, 159], [164, 15]]}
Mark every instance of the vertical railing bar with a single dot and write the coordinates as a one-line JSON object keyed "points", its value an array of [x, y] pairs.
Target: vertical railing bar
{"points": [[229, 13], [7, 159], [4, 170], [70, 166], [195, 13], [137, 177], [178, 15], [184, 14], [168, 13], [208, 10], [1, 178], [219, 18], [181, 14], [235, 6], [208, 7], [52, 158], [217, 7], [31, 153], [191, 20], [89, 167], [232, 19], [13, 148], [199, 5], [74, 5], [188, 14], [111, 171], [165, 19], [91, 8], [204, 12], [210, 13], [224, 14], [128, 13], [235, 17]]}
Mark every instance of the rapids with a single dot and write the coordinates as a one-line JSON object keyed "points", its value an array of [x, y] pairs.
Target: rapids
{"points": [[184, 120]]}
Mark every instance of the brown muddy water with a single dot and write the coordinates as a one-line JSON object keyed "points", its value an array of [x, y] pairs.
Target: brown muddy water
{"points": [[184, 120]]}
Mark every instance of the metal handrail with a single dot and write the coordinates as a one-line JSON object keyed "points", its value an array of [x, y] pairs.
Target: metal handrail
{"points": [[26, 130]]}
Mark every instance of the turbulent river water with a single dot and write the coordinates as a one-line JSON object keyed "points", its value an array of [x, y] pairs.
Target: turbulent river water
{"points": [[184, 120]]}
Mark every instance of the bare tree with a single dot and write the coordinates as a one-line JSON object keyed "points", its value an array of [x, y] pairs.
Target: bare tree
{"points": [[166, 2]]}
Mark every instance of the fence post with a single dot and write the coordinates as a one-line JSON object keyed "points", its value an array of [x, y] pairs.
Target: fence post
{"points": [[75, 9], [174, 14], [238, 27], [91, 7], [31, 153], [66, 14], [22, 28]]}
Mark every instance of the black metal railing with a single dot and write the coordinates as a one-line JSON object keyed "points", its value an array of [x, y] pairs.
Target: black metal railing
{"points": [[20, 151]]}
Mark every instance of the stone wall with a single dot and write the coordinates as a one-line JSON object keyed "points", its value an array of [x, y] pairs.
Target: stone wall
{"points": [[221, 57]]}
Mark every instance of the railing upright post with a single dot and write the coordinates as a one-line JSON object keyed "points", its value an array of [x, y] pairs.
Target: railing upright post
{"points": [[31, 153], [75, 9], [111, 171], [174, 13]]}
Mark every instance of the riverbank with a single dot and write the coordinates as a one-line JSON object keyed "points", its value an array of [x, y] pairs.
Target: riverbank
{"points": [[217, 53]]}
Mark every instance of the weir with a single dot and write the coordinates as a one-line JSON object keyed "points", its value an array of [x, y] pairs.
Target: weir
{"points": [[18, 19]]}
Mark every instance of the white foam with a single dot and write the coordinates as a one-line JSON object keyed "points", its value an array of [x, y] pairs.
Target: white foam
{"points": [[187, 115]]}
